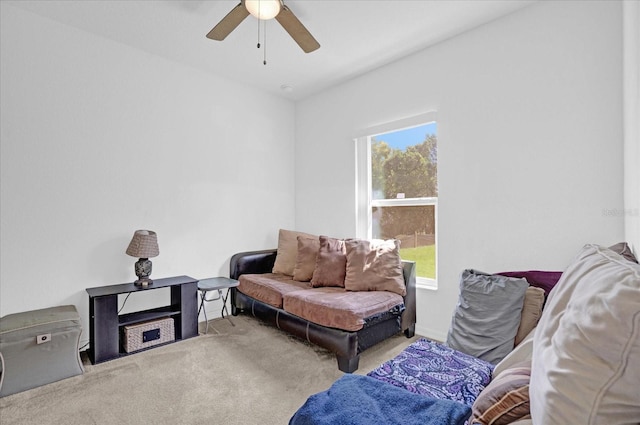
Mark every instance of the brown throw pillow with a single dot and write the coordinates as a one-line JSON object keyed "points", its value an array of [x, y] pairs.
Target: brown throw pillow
{"points": [[331, 263], [287, 251], [306, 261], [374, 265], [531, 312], [505, 399]]}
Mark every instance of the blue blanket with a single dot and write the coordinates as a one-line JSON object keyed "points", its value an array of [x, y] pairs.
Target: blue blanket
{"points": [[362, 400]]}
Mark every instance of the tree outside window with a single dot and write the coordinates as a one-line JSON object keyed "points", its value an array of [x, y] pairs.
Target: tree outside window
{"points": [[404, 192]]}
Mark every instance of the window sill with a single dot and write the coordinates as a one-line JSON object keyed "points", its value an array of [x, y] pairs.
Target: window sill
{"points": [[430, 285]]}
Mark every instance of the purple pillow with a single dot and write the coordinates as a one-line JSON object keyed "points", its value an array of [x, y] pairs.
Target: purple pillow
{"points": [[547, 280], [540, 279]]}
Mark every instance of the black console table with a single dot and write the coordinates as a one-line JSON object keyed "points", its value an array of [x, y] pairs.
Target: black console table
{"points": [[105, 324]]}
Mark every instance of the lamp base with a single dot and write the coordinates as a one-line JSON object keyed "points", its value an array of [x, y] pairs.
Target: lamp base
{"points": [[143, 270], [143, 282]]}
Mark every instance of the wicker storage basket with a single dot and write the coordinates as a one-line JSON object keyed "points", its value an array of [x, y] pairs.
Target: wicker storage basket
{"points": [[147, 334]]}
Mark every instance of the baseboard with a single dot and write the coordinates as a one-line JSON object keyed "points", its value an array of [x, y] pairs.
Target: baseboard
{"points": [[431, 333]]}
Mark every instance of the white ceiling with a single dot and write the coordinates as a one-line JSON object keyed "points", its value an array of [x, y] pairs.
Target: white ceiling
{"points": [[355, 35]]}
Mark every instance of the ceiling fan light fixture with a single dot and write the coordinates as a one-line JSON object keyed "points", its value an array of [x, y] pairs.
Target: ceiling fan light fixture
{"points": [[263, 9], [259, 8]]}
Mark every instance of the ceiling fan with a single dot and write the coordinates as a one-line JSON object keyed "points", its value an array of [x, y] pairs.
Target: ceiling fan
{"points": [[264, 10]]}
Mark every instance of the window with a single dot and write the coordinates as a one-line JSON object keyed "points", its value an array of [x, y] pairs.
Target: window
{"points": [[398, 189]]}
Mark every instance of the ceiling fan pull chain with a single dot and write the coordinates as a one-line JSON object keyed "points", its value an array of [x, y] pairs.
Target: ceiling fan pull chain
{"points": [[265, 44], [258, 33]]}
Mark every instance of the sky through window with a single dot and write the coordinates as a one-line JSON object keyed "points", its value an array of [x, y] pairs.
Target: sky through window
{"points": [[408, 137]]}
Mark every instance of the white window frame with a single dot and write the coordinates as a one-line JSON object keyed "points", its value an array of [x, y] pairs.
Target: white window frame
{"points": [[364, 203]]}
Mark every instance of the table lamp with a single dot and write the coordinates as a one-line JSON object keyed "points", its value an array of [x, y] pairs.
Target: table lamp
{"points": [[143, 245]]}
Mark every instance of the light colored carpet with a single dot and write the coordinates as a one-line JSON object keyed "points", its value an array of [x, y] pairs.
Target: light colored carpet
{"points": [[250, 373]]}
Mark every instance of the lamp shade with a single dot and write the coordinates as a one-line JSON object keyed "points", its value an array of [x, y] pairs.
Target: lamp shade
{"points": [[144, 244], [263, 9]]}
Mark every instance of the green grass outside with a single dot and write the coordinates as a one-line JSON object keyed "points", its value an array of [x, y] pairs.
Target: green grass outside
{"points": [[425, 258]]}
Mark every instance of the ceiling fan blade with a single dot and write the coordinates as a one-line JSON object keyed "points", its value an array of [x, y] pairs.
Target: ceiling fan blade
{"points": [[228, 23], [296, 30]]}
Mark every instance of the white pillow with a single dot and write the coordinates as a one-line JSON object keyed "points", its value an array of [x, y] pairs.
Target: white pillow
{"points": [[586, 348], [522, 352]]}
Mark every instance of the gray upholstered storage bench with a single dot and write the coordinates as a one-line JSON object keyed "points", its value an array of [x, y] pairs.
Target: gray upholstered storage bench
{"points": [[39, 347]]}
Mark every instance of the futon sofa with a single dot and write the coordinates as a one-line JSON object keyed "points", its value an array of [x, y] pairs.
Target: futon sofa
{"points": [[579, 364], [344, 321]]}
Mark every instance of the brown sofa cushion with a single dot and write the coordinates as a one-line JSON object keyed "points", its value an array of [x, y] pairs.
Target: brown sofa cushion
{"points": [[268, 287], [338, 308], [374, 265], [306, 260], [287, 251], [331, 263]]}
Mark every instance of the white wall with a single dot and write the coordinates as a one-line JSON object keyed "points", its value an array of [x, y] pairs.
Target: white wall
{"points": [[631, 84], [99, 139], [530, 143], [530, 131]]}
